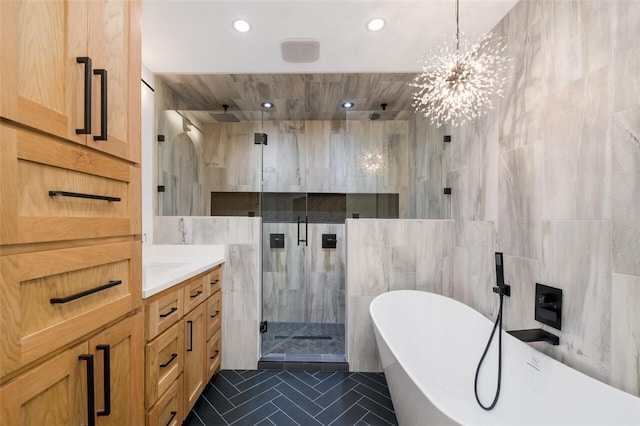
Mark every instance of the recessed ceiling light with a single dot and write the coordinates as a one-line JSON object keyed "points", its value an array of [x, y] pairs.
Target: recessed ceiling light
{"points": [[267, 105], [241, 26], [348, 105], [375, 24]]}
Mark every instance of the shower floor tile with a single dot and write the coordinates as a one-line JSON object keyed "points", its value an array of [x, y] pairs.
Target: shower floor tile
{"points": [[294, 338], [262, 397]]}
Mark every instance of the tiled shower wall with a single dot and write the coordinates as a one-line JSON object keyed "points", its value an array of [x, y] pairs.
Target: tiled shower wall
{"points": [[552, 178], [241, 277]]}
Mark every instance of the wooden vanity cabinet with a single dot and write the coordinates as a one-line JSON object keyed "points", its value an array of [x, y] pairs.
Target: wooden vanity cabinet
{"points": [[183, 332]]}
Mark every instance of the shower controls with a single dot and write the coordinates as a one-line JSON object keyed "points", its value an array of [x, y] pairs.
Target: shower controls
{"points": [[329, 241], [260, 138], [276, 241], [548, 305]]}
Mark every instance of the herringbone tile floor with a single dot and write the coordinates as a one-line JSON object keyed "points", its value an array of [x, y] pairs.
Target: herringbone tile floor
{"points": [[282, 398]]}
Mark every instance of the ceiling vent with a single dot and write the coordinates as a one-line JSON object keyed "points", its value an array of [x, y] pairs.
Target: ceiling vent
{"points": [[300, 51]]}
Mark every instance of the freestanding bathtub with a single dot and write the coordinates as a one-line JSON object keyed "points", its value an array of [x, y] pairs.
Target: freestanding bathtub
{"points": [[430, 345]]}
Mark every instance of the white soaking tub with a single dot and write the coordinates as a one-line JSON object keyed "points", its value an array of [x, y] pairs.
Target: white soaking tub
{"points": [[430, 345]]}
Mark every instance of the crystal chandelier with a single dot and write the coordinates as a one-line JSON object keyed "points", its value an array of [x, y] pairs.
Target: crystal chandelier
{"points": [[372, 162], [457, 84]]}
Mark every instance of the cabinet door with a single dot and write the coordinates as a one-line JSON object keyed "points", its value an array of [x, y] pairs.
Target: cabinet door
{"points": [[114, 42], [119, 373], [195, 326], [41, 81], [53, 393]]}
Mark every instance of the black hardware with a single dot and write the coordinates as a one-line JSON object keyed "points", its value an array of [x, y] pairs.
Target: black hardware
{"points": [[196, 294], [260, 138], [263, 326], [447, 191], [190, 336], [172, 310], [110, 284], [215, 354], [173, 416], [160, 188], [329, 241], [214, 282], [251, 214], [106, 379], [299, 240], [80, 195], [148, 85], [103, 105], [166, 364], [548, 307], [447, 138], [356, 215], [215, 314], [501, 288], [91, 401], [87, 95], [276, 241], [160, 138], [535, 335]]}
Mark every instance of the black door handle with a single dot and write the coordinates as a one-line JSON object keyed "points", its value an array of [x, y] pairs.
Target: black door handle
{"points": [[107, 380], [91, 402], [190, 336], [306, 230], [166, 364], [87, 95], [72, 297], [103, 105], [173, 416], [172, 310]]}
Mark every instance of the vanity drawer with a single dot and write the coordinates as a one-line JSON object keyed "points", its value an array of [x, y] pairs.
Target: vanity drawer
{"points": [[214, 280], [162, 311], [214, 354], [56, 191], [163, 363], [51, 298], [195, 292], [168, 409], [214, 313]]}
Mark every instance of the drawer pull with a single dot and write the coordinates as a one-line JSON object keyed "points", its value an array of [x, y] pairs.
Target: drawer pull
{"points": [[110, 284], [215, 314], [172, 310], [166, 364], [214, 282], [91, 401], [215, 355], [80, 195], [106, 380], [173, 416], [196, 294]]}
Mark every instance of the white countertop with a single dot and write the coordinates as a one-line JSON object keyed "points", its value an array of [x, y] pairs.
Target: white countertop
{"points": [[164, 266]]}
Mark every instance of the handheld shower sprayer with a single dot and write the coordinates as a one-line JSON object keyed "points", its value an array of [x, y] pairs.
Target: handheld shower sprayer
{"points": [[503, 290]]}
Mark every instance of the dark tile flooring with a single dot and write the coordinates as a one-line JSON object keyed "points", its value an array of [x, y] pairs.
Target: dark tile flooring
{"points": [[282, 398], [303, 338]]}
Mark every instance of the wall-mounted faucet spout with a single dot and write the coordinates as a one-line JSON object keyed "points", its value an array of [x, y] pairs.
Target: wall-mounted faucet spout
{"points": [[535, 335]]}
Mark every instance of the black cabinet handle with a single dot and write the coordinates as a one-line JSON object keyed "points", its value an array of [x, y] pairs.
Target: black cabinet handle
{"points": [[215, 314], [80, 195], [87, 95], [91, 402], [196, 294], [103, 105], [106, 379], [166, 364], [190, 336], [215, 354], [173, 415], [172, 310], [110, 284], [214, 282]]}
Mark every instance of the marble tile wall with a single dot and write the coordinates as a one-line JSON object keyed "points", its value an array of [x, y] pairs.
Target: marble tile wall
{"points": [[385, 255], [241, 277], [551, 177]]}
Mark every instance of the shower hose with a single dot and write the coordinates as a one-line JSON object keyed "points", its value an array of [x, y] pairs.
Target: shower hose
{"points": [[486, 349]]}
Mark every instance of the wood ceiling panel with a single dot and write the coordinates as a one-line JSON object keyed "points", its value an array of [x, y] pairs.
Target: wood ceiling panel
{"points": [[295, 96]]}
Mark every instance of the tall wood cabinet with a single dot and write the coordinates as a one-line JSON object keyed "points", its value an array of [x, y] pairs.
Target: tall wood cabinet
{"points": [[71, 334]]}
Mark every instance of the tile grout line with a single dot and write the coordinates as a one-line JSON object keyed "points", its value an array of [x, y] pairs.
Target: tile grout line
{"points": [[215, 409], [373, 390], [374, 414], [344, 411], [380, 405], [293, 402], [251, 412]]}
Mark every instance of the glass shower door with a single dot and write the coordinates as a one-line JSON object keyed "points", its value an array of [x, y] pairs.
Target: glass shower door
{"points": [[303, 282]]}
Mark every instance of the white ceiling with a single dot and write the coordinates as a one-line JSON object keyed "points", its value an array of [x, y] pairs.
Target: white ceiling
{"points": [[195, 36]]}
